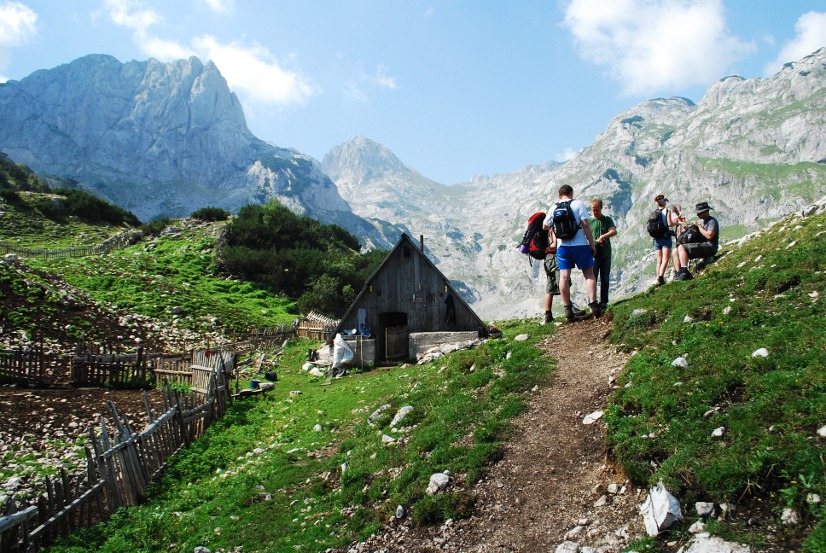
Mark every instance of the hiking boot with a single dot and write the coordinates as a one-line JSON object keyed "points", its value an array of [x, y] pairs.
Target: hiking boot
{"points": [[578, 313], [686, 274], [660, 281], [569, 313], [548, 318], [596, 310], [603, 305]]}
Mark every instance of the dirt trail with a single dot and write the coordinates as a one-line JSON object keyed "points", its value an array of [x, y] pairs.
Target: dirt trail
{"points": [[555, 478]]}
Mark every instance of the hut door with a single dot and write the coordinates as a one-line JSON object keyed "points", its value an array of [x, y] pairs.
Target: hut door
{"points": [[393, 336]]}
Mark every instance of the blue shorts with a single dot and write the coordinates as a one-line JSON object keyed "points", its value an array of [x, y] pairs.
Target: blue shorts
{"points": [[664, 242], [569, 256]]}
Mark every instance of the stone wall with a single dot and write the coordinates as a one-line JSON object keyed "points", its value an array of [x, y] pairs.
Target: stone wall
{"points": [[421, 342]]}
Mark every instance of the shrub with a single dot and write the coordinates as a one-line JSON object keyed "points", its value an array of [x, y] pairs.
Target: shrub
{"points": [[211, 214], [298, 256]]}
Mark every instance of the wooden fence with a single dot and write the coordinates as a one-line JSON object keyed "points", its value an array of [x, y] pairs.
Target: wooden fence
{"points": [[23, 366], [315, 326], [120, 464], [116, 242], [130, 370]]}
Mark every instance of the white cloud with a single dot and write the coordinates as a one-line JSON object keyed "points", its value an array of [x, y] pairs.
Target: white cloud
{"points": [[165, 50], [352, 91], [253, 72], [133, 15], [221, 6], [566, 155], [17, 24], [811, 35], [249, 70], [653, 45], [383, 79]]}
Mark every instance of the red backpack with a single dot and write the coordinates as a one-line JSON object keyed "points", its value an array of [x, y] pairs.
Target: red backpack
{"points": [[535, 240]]}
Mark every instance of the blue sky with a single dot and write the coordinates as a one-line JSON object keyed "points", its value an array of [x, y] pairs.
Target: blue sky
{"points": [[454, 88]]}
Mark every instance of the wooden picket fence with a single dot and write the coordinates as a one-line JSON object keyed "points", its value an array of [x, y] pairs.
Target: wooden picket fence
{"points": [[120, 464], [315, 326], [119, 241], [23, 366]]}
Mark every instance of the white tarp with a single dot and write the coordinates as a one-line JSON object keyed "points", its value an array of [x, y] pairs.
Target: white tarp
{"points": [[342, 356], [660, 510]]}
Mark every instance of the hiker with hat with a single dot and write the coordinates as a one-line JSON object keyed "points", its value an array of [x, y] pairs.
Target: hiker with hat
{"points": [[709, 228]]}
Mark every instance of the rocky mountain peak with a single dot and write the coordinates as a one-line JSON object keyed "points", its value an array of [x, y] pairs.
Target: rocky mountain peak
{"points": [[361, 158], [158, 139]]}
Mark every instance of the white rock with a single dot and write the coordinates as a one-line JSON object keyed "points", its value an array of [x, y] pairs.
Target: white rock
{"points": [[697, 527], [438, 482], [574, 532], [813, 498], [718, 432], [687, 319], [385, 439], [704, 508], [821, 431], [706, 543], [789, 517], [567, 547], [762, 352], [593, 417], [317, 428], [681, 362], [521, 337], [403, 412]]}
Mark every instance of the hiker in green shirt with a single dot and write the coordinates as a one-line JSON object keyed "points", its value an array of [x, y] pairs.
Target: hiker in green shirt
{"points": [[603, 228]]}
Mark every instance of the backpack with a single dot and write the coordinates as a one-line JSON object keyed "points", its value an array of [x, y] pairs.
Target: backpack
{"points": [[691, 235], [655, 227], [535, 240], [565, 224]]}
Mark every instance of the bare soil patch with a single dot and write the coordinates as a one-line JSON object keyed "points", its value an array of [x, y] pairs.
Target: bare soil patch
{"points": [[557, 480]]}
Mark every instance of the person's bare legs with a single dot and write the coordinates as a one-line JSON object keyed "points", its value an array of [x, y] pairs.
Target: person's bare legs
{"points": [[683, 255], [590, 284], [565, 286], [663, 256]]}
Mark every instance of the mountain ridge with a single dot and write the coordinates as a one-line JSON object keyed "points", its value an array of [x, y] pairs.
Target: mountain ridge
{"points": [[745, 147], [158, 139], [168, 138]]}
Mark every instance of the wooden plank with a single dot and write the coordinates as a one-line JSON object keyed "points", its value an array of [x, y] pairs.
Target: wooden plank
{"points": [[18, 518], [45, 527]]}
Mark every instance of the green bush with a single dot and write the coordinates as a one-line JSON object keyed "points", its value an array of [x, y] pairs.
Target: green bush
{"points": [[298, 257], [211, 214]]}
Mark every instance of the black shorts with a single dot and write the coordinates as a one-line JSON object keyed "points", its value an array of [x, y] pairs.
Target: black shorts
{"points": [[700, 250]]}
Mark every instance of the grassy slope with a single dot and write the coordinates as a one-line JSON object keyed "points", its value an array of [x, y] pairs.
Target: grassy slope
{"points": [[151, 277], [264, 479], [766, 294]]}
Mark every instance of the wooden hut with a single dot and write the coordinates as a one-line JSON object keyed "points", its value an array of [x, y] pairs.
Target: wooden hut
{"points": [[407, 302]]}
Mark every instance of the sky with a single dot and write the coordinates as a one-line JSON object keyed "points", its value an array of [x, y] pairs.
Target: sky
{"points": [[455, 88]]}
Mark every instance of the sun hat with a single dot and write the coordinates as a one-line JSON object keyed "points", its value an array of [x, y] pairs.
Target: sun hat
{"points": [[702, 206], [660, 197]]}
